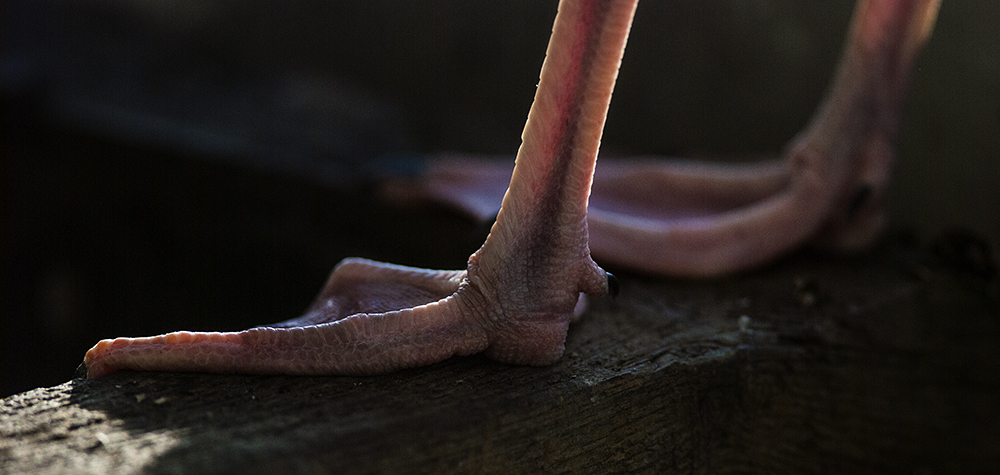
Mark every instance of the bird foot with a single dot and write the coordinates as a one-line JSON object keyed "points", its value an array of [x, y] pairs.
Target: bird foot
{"points": [[521, 289]]}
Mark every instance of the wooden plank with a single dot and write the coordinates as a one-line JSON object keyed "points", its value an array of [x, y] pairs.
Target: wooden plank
{"points": [[888, 362]]}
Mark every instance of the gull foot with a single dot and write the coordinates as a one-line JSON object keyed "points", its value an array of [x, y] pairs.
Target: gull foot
{"points": [[521, 289]]}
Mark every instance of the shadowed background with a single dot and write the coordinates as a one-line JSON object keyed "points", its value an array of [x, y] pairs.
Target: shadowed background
{"points": [[203, 165]]}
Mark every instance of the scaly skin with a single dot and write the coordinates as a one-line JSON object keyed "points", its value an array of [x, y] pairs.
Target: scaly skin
{"points": [[521, 289], [700, 220]]}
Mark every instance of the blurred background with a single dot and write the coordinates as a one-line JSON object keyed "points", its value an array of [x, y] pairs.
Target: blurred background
{"points": [[202, 165]]}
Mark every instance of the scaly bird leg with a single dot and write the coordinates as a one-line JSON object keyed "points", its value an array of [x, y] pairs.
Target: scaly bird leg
{"points": [[696, 220], [520, 290]]}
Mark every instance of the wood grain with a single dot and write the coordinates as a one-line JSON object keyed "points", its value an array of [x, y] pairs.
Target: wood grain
{"points": [[884, 363]]}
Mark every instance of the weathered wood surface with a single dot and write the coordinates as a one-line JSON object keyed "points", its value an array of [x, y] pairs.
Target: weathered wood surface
{"points": [[888, 362]]}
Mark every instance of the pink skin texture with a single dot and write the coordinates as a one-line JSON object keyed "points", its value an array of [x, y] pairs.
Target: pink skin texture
{"points": [[521, 289], [701, 220]]}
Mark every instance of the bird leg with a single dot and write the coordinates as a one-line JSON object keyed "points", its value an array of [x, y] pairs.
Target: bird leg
{"points": [[521, 289], [697, 220]]}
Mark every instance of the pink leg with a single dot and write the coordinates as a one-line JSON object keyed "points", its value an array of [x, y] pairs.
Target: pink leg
{"points": [[520, 290], [687, 219]]}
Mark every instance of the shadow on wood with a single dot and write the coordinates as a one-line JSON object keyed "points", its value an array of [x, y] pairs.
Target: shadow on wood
{"points": [[888, 362]]}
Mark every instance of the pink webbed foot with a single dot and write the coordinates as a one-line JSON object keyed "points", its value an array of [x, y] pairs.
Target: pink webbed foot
{"points": [[690, 219], [521, 289]]}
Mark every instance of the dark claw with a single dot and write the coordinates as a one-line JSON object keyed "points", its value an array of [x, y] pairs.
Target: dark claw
{"points": [[613, 286], [81, 371]]}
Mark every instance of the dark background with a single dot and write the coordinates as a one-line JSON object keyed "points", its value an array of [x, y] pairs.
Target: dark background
{"points": [[203, 165]]}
